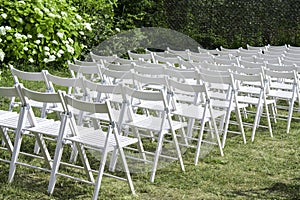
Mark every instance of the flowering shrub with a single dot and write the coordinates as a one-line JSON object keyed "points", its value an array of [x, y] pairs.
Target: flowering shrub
{"points": [[41, 33]]}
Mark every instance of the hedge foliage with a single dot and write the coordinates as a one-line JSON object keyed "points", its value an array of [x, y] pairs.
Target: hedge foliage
{"points": [[45, 33], [230, 23]]}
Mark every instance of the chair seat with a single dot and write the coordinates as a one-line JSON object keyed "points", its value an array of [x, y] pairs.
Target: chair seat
{"points": [[225, 104], [96, 139], [196, 112], [153, 124], [6, 114], [252, 100], [280, 94], [12, 122]]}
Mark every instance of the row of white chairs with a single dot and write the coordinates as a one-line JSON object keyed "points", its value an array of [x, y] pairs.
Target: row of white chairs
{"points": [[213, 84]]}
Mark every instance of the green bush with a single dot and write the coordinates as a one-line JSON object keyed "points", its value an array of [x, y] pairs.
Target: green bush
{"points": [[40, 33]]}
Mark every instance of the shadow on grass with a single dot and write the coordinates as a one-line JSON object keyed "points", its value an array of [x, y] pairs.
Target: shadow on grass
{"points": [[278, 190]]}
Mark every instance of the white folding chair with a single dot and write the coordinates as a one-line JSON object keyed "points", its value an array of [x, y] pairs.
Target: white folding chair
{"points": [[29, 79], [286, 90], [104, 141], [224, 99], [25, 122], [200, 111], [161, 125], [253, 94], [6, 115]]}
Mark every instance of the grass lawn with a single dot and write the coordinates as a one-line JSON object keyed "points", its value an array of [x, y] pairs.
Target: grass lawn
{"points": [[268, 168]]}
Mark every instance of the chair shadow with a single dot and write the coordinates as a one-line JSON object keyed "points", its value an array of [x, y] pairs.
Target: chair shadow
{"points": [[278, 190]]}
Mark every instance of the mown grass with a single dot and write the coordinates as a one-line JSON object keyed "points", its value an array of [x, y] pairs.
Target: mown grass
{"points": [[268, 168]]}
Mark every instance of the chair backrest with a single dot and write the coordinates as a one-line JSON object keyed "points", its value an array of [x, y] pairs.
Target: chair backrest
{"points": [[276, 67], [282, 74], [115, 77], [121, 61], [262, 48], [43, 97], [247, 64], [180, 74], [117, 67], [70, 83], [142, 81], [210, 51], [249, 71], [99, 59], [8, 92], [139, 56], [215, 67], [150, 71], [200, 57], [166, 60], [21, 76], [104, 91], [222, 61], [83, 63], [287, 61], [187, 64], [84, 106], [181, 53], [89, 72]]}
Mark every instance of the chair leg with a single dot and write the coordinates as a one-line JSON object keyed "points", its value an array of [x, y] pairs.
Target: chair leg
{"points": [[15, 155], [256, 122], [17, 144], [6, 140], [156, 155], [268, 119], [291, 108], [200, 138]]}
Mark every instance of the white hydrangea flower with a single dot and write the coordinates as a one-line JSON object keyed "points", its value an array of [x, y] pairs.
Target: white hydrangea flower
{"points": [[4, 15], [46, 10], [60, 35], [46, 48], [31, 60], [25, 48], [51, 58], [58, 55], [8, 28], [2, 30], [70, 40], [46, 60], [65, 41], [2, 55], [70, 49], [60, 51], [51, 15], [29, 36], [64, 14], [38, 41], [47, 53], [78, 17], [40, 35], [18, 36], [54, 42], [87, 26], [24, 37]]}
